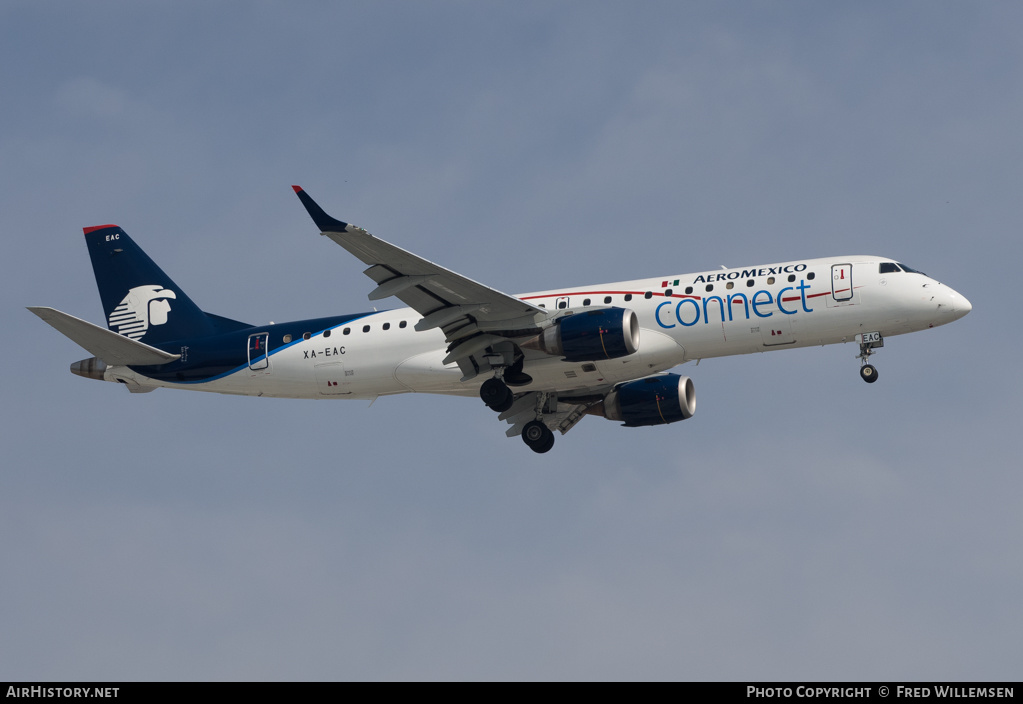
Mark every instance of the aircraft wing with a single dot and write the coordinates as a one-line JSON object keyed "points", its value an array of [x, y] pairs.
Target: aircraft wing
{"points": [[472, 316], [112, 348]]}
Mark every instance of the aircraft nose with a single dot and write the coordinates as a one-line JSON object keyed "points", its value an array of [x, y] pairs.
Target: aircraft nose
{"points": [[960, 305]]}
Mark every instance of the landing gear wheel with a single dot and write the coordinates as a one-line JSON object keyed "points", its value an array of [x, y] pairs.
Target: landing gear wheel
{"points": [[544, 447], [537, 436], [868, 373], [496, 394]]}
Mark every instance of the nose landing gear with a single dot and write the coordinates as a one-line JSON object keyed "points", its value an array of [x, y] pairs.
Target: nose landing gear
{"points": [[868, 372], [869, 341]]}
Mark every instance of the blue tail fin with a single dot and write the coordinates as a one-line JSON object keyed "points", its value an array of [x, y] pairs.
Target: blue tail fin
{"points": [[139, 300]]}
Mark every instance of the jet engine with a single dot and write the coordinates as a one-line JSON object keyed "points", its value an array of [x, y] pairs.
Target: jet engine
{"points": [[592, 335], [655, 400]]}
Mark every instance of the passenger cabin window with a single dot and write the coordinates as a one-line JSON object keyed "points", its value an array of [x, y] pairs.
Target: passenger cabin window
{"points": [[811, 276], [287, 339], [667, 292], [689, 289], [710, 287], [346, 331], [648, 295], [628, 297], [306, 335], [387, 326], [562, 304], [749, 283], [326, 333], [365, 328], [730, 285], [607, 299], [770, 280], [586, 301], [792, 277], [402, 324]]}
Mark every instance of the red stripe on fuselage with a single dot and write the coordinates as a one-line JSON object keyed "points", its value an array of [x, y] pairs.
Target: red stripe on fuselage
{"points": [[663, 295]]}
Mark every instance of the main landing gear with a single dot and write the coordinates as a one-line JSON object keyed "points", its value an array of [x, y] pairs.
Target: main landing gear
{"points": [[538, 436], [496, 394], [869, 341], [499, 398]]}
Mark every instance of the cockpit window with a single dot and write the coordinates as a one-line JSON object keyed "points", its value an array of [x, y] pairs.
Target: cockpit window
{"points": [[911, 271], [892, 267]]}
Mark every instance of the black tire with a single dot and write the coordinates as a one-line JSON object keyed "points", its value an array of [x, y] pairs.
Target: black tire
{"points": [[545, 446], [533, 432], [868, 372], [537, 436], [496, 394]]}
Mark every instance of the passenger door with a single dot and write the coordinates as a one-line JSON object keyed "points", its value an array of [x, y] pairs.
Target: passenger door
{"points": [[841, 282], [259, 358]]}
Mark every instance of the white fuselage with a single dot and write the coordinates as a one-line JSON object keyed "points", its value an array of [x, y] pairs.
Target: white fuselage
{"points": [[682, 317]]}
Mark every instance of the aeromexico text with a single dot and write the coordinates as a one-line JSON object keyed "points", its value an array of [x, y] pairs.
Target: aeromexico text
{"points": [[749, 273]]}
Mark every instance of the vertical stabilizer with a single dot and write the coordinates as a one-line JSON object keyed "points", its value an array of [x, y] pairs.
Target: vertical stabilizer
{"points": [[139, 300]]}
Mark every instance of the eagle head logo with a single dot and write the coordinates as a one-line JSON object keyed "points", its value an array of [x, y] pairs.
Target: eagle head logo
{"points": [[142, 307]]}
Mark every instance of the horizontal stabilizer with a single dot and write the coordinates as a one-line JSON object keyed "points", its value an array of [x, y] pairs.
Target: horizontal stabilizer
{"points": [[112, 348]]}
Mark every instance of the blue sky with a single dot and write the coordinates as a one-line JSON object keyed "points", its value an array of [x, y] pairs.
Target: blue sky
{"points": [[803, 525]]}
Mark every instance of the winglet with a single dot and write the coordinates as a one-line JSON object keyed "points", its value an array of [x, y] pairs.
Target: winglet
{"points": [[322, 220]]}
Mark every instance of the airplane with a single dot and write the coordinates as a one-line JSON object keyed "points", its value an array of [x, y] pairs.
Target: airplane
{"points": [[541, 361]]}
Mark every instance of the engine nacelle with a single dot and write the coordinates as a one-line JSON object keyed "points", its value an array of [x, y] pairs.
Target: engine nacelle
{"points": [[592, 335], [655, 400]]}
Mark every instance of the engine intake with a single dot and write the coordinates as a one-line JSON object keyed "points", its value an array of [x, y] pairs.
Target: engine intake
{"points": [[592, 335], [656, 400]]}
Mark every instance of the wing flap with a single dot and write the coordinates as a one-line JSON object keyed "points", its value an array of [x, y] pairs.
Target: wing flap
{"points": [[559, 415], [112, 348]]}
